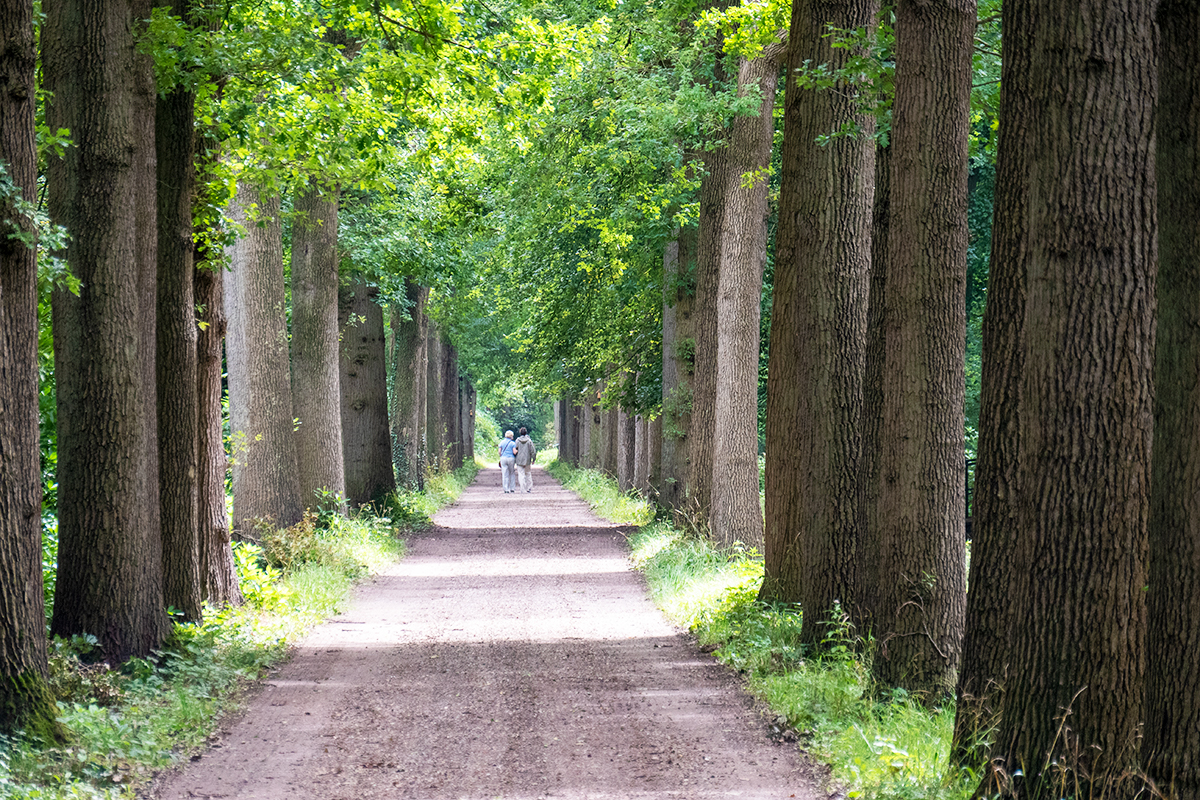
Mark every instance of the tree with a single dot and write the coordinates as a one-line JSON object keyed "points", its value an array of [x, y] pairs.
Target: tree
{"points": [[1171, 748], [364, 403], [451, 442], [178, 435], [814, 537], [1071, 705], [997, 578], [110, 581], [921, 578], [626, 448], [316, 393], [408, 394], [735, 515], [266, 483], [434, 425], [25, 701], [677, 359]]}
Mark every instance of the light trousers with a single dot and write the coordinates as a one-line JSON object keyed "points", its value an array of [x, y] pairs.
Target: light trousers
{"points": [[525, 476], [507, 465]]}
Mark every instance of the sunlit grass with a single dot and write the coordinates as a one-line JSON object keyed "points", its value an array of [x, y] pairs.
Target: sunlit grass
{"points": [[600, 492]]}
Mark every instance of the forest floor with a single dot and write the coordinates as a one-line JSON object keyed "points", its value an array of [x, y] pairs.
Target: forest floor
{"points": [[513, 653]]}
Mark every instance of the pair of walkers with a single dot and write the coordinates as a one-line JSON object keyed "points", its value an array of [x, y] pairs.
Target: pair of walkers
{"points": [[517, 456]]}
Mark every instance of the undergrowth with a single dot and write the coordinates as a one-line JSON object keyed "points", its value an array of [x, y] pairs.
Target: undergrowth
{"points": [[891, 748], [125, 724]]}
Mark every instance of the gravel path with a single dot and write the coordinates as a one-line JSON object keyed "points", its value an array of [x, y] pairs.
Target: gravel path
{"points": [[511, 654]]}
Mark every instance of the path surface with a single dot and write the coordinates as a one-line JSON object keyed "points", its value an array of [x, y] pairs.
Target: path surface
{"points": [[511, 654]]}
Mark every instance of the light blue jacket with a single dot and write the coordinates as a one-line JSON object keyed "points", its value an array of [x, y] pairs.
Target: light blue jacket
{"points": [[508, 448]]}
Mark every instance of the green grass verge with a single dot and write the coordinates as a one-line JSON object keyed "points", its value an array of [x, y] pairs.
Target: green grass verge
{"points": [[891, 749], [126, 724]]}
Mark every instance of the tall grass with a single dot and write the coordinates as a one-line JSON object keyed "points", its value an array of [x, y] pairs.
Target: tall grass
{"points": [[124, 724], [889, 747]]}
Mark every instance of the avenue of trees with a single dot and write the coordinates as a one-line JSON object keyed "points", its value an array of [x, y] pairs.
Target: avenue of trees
{"points": [[715, 234]]}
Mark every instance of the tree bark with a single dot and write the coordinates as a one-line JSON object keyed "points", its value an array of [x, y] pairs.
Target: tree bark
{"points": [[1171, 744], [641, 455], [921, 579], [266, 485], [316, 391], [467, 414], [678, 358], [25, 701], [366, 438], [434, 426], [999, 576], [178, 415], [813, 553], [217, 571], [610, 433], [1085, 416], [450, 414], [103, 190], [626, 448], [408, 386]]}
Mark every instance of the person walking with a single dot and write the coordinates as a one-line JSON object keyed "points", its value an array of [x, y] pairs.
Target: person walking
{"points": [[508, 460], [526, 455]]}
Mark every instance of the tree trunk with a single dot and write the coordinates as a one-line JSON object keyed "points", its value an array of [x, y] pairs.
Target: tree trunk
{"points": [[813, 552], [626, 448], [467, 415], [610, 431], [103, 190], [408, 386], [316, 391], [654, 435], [434, 426], [217, 572], [178, 435], [266, 485], [25, 701], [735, 513], [366, 439], [921, 579], [678, 358], [1085, 412], [641, 455], [1171, 744], [450, 414], [998, 580]]}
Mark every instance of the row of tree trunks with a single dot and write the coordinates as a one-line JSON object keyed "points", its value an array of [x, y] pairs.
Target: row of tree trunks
{"points": [[25, 702], [103, 191], [365, 434]]}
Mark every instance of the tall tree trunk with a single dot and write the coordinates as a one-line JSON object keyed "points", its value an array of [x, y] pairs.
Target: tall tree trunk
{"points": [[813, 551], [366, 438], [467, 414], [921, 579], [1085, 412], [316, 392], [408, 385], [1171, 744], [103, 190], [610, 431], [434, 426], [654, 435], [25, 702], [450, 418], [641, 455], [735, 514], [678, 358], [626, 448], [178, 416], [998, 577], [266, 485], [217, 572]]}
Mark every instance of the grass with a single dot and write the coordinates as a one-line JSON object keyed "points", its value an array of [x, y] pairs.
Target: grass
{"points": [[126, 724], [891, 748]]}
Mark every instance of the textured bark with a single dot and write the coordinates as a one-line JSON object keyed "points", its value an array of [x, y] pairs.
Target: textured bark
{"points": [[316, 391], [611, 442], [266, 484], [434, 454], [626, 448], [25, 701], [998, 574], [654, 443], [735, 513], [1085, 411], [451, 444], [467, 399], [1172, 739], [677, 361], [103, 190], [366, 439], [641, 455], [921, 579], [217, 573], [408, 386], [813, 553], [178, 436]]}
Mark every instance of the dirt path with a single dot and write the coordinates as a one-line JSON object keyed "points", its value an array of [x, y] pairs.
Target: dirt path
{"points": [[511, 654]]}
